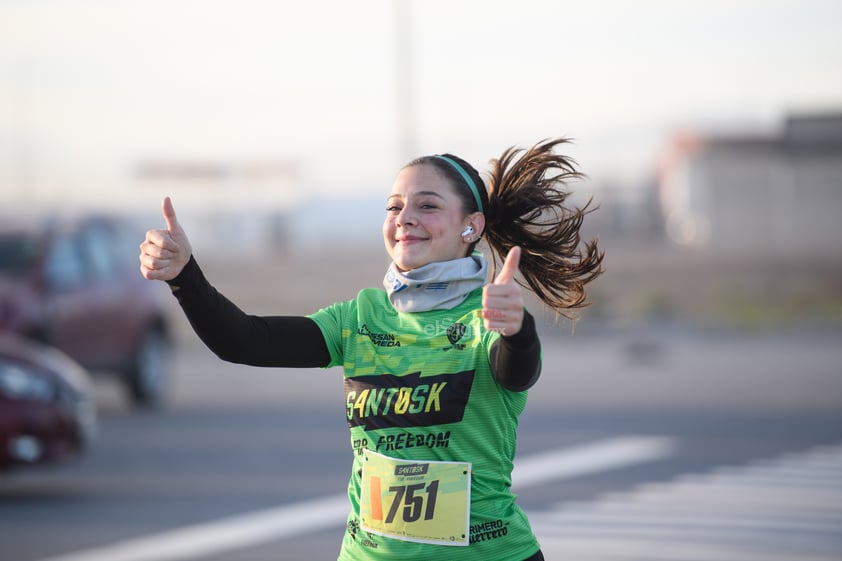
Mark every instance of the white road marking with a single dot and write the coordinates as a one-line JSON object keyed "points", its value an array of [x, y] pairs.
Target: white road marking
{"points": [[273, 524], [787, 508], [590, 458]]}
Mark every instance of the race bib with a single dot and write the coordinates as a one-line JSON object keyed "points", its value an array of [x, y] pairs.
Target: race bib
{"points": [[427, 502]]}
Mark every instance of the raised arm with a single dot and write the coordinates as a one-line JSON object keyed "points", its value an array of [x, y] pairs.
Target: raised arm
{"points": [[233, 335], [516, 356]]}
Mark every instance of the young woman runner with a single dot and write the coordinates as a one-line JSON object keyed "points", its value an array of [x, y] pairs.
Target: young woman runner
{"points": [[437, 363]]}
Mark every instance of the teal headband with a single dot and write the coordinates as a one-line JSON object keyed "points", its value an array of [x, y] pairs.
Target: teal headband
{"points": [[467, 179]]}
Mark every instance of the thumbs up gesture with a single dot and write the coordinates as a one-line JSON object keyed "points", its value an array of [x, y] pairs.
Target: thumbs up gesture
{"points": [[502, 300], [164, 253]]}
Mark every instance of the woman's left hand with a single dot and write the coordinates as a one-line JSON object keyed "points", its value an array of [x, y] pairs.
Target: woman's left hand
{"points": [[502, 300]]}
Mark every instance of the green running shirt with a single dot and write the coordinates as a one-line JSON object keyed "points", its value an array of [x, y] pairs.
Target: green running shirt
{"points": [[418, 386]]}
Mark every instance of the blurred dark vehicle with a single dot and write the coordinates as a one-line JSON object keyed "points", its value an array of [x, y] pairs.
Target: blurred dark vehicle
{"points": [[74, 284], [47, 411]]}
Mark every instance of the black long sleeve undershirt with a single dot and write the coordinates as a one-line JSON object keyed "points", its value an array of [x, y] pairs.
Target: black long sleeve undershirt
{"points": [[516, 360], [297, 341]]}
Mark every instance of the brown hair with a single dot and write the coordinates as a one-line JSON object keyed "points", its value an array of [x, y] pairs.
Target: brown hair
{"points": [[524, 205]]}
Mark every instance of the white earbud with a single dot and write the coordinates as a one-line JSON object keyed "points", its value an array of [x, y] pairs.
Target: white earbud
{"points": [[468, 231]]}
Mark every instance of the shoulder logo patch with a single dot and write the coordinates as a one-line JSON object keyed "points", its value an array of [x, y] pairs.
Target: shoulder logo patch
{"points": [[454, 334]]}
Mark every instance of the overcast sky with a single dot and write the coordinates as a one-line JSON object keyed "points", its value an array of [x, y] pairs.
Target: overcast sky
{"points": [[89, 89]]}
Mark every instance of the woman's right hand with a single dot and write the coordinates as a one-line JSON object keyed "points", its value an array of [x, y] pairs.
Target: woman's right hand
{"points": [[164, 253]]}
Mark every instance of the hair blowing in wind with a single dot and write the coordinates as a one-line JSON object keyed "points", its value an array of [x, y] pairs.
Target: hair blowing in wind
{"points": [[527, 196]]}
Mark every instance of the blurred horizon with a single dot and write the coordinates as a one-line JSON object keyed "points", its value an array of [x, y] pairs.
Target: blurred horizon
{"points": [[709, 132], [237, 106]]}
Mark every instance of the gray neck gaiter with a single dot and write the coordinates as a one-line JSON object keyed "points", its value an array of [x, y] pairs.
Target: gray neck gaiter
{"points": [[441, 285]]}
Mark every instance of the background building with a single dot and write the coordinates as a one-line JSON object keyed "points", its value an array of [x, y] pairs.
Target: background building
{"points": [[761, 194]]}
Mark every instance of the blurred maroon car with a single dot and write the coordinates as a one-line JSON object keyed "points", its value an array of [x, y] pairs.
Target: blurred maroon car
{"points": [[75, 285], [47, 412]]}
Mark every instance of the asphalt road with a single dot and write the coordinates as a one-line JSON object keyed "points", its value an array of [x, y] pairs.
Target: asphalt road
{"points": [[238, 457]]}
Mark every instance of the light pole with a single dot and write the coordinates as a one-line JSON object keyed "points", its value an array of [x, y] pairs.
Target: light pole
{"points": [[404, 62]]}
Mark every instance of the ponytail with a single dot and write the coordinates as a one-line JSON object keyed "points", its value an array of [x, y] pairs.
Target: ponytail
{"points": [[526, 208]]}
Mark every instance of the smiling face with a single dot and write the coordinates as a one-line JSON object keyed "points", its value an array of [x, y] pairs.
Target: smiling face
{"points": [[425, 219]]}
